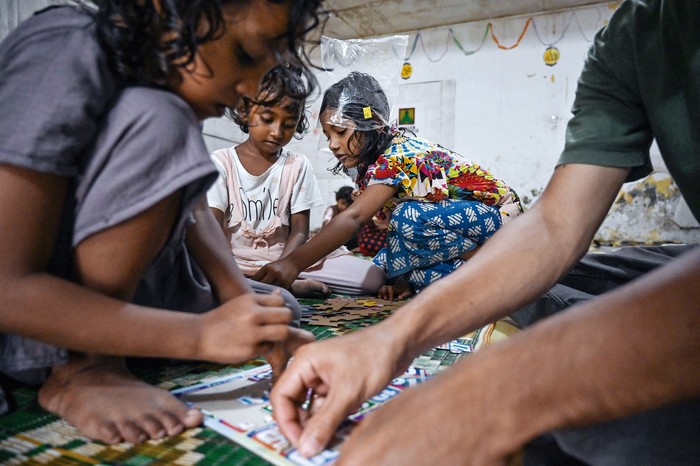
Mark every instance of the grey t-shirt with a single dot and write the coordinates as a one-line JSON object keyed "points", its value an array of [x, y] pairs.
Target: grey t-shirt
{"points": [[56, 85], [149, 146], [62, 112]]}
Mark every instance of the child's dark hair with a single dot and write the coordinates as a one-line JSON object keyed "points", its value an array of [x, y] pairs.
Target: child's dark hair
{"points": [[344, 193], [282, 81], [351, 96], [133, 31]]}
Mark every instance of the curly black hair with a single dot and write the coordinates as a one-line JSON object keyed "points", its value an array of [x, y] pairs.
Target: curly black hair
{"points": [[133, 30], [280, 82], [344, 193], [350, 96]]}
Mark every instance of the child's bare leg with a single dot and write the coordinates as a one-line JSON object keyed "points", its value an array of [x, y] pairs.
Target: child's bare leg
{"points": [[310, 288], [105, 402], [467, 255], [97, 394]]}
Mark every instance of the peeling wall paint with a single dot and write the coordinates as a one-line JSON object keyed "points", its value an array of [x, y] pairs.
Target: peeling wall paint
{"points": [[645, 213]]}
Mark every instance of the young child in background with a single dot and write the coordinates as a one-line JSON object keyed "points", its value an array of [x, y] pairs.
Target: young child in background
{"points": [[343, 199], [103, 177], [371, 238], [264, 194], [446, 206]]}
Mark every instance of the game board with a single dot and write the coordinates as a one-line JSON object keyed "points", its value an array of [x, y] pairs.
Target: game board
{"points": [[31, 436], [237, 406]]}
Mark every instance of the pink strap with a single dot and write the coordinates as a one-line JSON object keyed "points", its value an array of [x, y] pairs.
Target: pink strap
{"points": [[235, 217]]}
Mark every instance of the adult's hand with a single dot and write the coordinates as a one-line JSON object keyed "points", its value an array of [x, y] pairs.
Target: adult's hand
{"points": [[577, 368], [342, 373], [454, 418]]}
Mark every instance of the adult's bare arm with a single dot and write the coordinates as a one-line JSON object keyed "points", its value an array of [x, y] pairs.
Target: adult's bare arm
{"points": [[527, 255], [631, 350]]}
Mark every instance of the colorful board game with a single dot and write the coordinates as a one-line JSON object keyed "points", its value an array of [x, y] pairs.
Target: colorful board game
{"points": [[237, 406], [31, 436]]}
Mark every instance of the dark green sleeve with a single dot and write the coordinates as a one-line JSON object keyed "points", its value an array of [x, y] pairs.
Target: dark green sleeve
{"points": [[610, 125]]}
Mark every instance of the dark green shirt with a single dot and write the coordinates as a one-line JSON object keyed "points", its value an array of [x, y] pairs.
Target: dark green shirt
{"points": [[641, 81]]}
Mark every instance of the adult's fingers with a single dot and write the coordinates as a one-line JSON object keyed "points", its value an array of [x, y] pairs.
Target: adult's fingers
{"points": [[324, 421], [287, 396]]}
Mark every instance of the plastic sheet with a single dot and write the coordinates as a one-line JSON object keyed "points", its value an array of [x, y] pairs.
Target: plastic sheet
{"points": [[382, 59]]}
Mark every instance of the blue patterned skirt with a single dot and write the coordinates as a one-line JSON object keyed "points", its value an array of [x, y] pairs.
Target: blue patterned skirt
{"points": [[426, 239]]}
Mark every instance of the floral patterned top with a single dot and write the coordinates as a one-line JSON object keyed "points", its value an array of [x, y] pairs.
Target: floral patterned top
{"points": [[425, 171]]}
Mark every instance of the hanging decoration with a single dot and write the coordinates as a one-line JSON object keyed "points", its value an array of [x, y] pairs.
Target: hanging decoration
{"points": [[551, 56], [406, 70], [517, 42], [407, 116], [471, 52]]}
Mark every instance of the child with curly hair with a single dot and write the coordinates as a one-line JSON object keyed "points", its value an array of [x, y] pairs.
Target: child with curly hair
{"points": [[106, 230]]}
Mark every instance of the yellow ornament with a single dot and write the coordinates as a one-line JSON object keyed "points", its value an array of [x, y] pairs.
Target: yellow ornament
{"points": [[406, 70], [551, 56]]}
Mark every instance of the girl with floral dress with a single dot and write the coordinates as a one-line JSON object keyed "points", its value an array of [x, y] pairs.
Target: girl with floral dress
{"points": [[442, 206]]}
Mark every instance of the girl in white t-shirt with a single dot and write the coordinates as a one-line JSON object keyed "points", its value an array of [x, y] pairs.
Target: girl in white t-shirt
{"points": [[264, 193]]}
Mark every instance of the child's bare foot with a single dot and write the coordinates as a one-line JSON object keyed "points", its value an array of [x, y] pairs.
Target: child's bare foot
{"points": [[105, 402], [398, 291], [310, 288]]}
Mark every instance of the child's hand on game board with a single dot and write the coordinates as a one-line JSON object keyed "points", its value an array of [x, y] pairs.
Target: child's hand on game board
{"points": [[243, 328], [281, 272], [342, 373], [278, 358]]}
